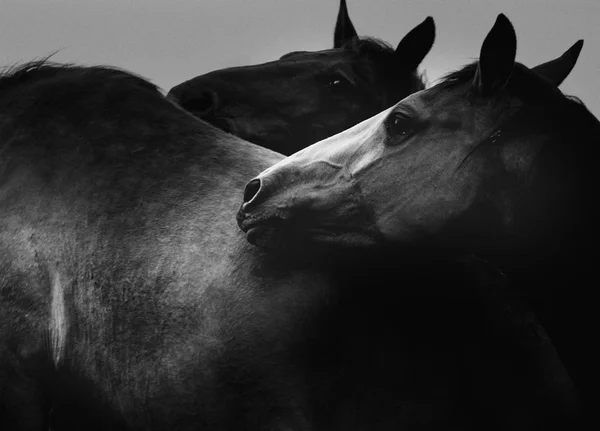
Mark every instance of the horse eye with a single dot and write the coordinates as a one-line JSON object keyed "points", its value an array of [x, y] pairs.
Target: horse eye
{"points": [[338, 83], [399, 125]]}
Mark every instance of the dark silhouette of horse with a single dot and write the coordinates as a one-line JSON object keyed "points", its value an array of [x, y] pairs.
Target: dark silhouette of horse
{"points": [[303, 97], [493, 160], [130, 299]]}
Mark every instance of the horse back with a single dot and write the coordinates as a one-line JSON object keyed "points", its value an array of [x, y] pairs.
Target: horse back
{"points": [[117, 252]]}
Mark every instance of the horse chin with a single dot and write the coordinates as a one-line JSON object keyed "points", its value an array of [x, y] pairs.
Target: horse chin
{"points": [[276, 238], [349, 239], [267, 237]]}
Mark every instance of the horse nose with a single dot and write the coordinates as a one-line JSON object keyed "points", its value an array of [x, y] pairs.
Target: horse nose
{"points": [[200, 101], [251, 190]]}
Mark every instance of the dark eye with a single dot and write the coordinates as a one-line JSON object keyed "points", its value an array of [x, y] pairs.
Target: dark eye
{"points": [[399, 125], [338, 84]]}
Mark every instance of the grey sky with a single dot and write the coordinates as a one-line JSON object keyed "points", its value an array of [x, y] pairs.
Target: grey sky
{"points": [[169, 41]]}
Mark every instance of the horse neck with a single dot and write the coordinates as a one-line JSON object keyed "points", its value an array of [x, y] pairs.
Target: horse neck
{"points": [[542, 215], [545, 246]]}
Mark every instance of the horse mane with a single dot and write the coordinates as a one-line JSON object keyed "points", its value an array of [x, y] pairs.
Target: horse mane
{"points": [[103, 101], [367, 45], [523, 83], [360, 45], [18, 75]]}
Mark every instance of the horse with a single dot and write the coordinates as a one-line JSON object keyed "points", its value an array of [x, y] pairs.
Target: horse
{"points": [[303, 97], [493, 160], [130, 299]]}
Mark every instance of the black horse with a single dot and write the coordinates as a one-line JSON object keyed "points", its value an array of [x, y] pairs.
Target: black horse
{"points": [[130, 300], [288, 104], [493, 160]]}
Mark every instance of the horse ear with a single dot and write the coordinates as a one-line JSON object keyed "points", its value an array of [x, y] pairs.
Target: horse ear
{"points": [[558, 69], [344, 30], [497, 58], [413, 48]]}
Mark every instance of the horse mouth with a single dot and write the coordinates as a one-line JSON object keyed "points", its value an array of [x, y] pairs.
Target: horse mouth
{"points": [[266, 237], [280, 234], [265, 232]]}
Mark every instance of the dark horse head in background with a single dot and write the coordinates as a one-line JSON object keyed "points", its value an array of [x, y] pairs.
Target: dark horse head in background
{"points": [[494, 160], [130, 299], [303, 97]]}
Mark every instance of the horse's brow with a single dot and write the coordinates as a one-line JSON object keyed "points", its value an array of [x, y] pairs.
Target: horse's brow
{"points": [[347, 73], [407, 109]]}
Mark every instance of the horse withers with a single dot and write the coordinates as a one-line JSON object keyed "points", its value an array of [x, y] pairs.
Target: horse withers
{"points": [[493, 160], [303, 97]]}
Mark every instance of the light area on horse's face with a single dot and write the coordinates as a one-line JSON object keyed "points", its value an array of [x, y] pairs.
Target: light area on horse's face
{"points": [[314, 190], [344, 149]]}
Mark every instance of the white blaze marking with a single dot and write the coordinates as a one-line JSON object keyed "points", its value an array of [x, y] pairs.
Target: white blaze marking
{"points": [[58, 320]]}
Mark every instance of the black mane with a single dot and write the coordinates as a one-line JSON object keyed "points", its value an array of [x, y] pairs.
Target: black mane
{"points": [[368, 45], [523, 82], [37, 70], [358, 45], [67, 103]]}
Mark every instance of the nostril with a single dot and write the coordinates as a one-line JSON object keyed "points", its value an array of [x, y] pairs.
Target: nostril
{"points": [[202, 102], [251, 190]]}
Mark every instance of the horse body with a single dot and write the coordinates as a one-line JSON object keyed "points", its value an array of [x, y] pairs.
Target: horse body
{"points": [[115, 279], [129, 299], [494, 160]]}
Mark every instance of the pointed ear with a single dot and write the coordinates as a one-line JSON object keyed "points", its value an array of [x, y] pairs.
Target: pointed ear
{"points": [[413, 47], [558, 69], [497, 58], [344, 30]]}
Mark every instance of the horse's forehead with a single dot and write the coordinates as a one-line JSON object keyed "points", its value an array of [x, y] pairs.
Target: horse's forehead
{"points": [[437, 102], [442, 96], [452, 107]]}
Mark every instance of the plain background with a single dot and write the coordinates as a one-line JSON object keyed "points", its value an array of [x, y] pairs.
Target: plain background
{"points": [[169, 41]]}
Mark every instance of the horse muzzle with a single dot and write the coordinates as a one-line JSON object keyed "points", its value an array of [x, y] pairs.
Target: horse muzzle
{"points": [[285, 206]]}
